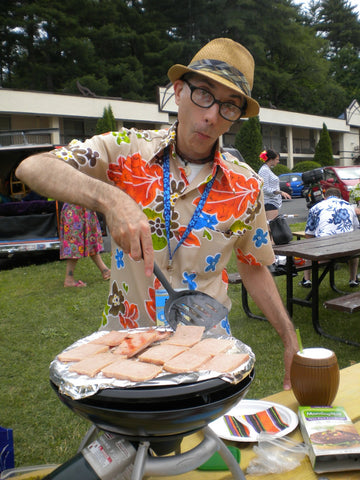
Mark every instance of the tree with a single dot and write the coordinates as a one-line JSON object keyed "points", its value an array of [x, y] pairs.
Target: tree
{"points": [[249, 142], [323, 150], [106, 123], [306, 61], [339, 24]]}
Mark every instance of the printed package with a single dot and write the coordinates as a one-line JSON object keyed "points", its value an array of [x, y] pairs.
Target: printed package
{"points": [[334, 443]]}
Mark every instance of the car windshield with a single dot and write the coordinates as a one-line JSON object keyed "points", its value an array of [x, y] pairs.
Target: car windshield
{"points": [[352, 173]]}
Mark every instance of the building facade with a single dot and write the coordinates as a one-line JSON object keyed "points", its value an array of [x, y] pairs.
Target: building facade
{"points": [[46, 118]]}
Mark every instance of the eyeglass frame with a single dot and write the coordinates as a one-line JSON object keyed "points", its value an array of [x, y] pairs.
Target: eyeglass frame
{"points": [[194, 87]]}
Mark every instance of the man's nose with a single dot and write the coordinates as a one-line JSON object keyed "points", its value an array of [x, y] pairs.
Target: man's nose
{"points": [[212, 113]]}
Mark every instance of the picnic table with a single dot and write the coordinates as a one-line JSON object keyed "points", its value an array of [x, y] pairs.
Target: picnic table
{"points": [[321, 252], [348, 396]]}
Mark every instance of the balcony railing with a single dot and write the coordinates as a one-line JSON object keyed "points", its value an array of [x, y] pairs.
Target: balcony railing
{"points": [[26, 137]]}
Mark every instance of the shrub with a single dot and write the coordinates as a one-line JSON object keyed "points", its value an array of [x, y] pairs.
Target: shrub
{"points": [[106, 123], [323, 149], [249, 142], [279, 169], [305, 166]]}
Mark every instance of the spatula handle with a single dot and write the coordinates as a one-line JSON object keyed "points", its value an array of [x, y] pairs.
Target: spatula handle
{"points": [[159, 274]]}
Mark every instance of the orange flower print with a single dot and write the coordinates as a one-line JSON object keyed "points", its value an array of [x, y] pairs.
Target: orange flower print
{"points": [[222, 200], [150, 304], [190, 241], [129, 317], [136, 177], [249, 258]]}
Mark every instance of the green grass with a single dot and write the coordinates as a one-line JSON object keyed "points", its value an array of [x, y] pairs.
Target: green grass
{"points": [[39, 318]]}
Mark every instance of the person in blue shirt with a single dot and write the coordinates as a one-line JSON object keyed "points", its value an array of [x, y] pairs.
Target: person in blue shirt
{"points": [[331, 216]]}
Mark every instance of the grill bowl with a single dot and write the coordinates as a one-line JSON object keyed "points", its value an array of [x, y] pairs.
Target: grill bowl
{"points": [[172, 411]]}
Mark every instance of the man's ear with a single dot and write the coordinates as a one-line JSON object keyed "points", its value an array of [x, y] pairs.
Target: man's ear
{"points": [[178, 86]]}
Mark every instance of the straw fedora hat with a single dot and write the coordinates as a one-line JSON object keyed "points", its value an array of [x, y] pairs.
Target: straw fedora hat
{"points": [[227, 62]]}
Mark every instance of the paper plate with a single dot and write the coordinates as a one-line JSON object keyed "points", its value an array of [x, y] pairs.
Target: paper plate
{"points": [[249, 407]]}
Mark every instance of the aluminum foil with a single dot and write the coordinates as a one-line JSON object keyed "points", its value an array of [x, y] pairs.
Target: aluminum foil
{"points": [[81, 386]]}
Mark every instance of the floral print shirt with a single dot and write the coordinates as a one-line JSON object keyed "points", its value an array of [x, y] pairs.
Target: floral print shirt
{"points": [[330, 216], [232, 219]]}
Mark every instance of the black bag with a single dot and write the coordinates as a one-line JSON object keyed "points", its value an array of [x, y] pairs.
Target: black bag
{"points": [[280, 230]]}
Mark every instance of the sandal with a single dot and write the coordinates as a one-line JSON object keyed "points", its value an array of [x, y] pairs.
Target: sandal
{"points": [[79, 283]]}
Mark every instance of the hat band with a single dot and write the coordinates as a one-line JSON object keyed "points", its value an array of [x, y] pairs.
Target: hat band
{"points": [[224, 70]]}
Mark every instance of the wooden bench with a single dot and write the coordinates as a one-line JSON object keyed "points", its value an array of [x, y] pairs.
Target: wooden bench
{"points": [[347, 303]]}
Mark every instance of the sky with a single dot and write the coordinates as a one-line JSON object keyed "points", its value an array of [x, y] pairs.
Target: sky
{"points": [[355, 3]]}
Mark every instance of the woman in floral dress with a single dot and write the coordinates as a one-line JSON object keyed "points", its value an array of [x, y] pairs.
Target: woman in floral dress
{"points": [[80, 236]]}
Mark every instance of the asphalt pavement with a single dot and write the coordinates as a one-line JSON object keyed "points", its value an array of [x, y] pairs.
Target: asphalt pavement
{"points": [[296, 207]]}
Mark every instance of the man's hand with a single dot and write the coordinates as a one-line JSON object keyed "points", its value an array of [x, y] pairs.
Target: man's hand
{"points": [[130, 229]]}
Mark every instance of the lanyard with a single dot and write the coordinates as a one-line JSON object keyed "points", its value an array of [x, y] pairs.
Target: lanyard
{"points": [[167, 206]]}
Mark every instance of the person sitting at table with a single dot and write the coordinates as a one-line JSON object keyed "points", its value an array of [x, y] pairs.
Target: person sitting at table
{"points": [[331, 216]]}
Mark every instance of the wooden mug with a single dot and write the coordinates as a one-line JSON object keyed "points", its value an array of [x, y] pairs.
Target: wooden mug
{"points": [[315, 376]]}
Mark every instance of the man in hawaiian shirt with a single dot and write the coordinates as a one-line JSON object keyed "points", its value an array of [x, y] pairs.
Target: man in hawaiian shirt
{"points": [[331, 216], [172, 196]]}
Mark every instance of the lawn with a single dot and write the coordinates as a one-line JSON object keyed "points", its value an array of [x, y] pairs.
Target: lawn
{"points": [[39, 318]]}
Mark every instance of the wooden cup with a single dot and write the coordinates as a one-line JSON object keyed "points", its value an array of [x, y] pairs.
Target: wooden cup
{"points": [[315, 376]]}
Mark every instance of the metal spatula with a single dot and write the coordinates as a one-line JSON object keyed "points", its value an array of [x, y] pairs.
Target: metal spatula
{"points": [[189, 306]]}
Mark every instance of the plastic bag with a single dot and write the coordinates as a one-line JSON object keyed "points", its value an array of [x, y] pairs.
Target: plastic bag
{"points": [[6, 449], [276, 455]]}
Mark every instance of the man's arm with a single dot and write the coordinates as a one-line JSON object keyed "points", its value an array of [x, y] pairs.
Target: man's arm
{"points": [[268, 299], [128, 225]]}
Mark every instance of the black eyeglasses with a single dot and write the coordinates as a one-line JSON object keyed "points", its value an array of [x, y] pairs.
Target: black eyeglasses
{"points": [[205, 99]]}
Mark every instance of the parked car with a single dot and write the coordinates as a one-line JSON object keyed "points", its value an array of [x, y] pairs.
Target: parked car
{"points": [[343, 178], [295, 181], [28, 221], [317, 181]]}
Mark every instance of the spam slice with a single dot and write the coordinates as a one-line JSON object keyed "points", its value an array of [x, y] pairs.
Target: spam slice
{"points": [[186, 362], [126, 369], [112, 338], [92, 365], [78, 353], [224, 363], [213, 345], [161, 353], [135, 343], [186, 335]]}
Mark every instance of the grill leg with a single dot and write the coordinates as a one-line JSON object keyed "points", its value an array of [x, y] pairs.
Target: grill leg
{"points": [[140, 461], [89, 437]]}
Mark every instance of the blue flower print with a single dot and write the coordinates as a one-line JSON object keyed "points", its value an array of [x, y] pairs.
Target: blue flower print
{"points": [[260, 237], [119, 257], [212, 261], [189, 279], [206, 221], [225, 325], [341, 217], [313, 221]]}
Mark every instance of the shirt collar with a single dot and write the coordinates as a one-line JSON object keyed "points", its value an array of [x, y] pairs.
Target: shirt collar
{"points": [[227, 163]]}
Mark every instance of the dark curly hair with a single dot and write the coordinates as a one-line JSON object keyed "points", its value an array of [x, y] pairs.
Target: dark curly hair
{"points": [[271, 154]]}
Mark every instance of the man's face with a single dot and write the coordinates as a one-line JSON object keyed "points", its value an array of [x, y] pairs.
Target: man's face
{"points": [[199, 128]]}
